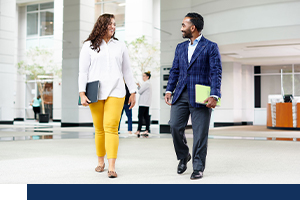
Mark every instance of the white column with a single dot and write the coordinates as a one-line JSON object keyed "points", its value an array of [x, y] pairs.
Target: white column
{"points": [[58, 43], [78, 24], [143, 18], [20, 54], [7, 60], [138, 19], [247, 93], [231, 90]]}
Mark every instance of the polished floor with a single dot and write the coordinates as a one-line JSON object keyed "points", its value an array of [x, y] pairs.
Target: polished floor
{"points": [[46, 153]]}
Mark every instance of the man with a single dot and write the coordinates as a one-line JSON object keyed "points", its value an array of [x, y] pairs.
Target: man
{"points": [[196, 61]]}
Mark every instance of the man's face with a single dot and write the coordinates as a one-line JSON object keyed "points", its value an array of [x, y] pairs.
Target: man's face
{"points": [[186, 28]]}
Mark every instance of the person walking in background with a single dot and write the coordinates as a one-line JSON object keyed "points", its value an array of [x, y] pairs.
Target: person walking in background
{"points": [[196, 61], [36, 106], [106, 59], [127, 111], [145, 91]]}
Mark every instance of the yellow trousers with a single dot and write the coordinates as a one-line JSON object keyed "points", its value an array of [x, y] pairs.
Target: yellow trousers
{"points": [[106, 118]]}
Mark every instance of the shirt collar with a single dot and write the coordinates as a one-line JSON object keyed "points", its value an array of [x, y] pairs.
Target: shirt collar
{"points": [[111, 40], [196, 40]]}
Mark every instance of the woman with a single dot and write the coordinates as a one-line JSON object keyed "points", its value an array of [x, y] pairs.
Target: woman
{"points": [[127, 111], [104, 58], [36, 106], [145, 92]]}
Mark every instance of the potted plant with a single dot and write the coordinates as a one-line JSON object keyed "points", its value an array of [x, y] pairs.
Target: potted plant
{"points": [[39, 66]]}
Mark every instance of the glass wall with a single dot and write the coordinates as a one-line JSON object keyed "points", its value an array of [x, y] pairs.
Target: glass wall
{"points": [[40, 23], [272, 83]]}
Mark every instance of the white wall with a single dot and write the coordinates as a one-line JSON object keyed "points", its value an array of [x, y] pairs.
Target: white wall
{"points": [[231, 89], [7, 59], [241, 21]]}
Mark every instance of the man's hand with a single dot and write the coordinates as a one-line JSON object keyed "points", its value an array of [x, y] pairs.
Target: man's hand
{"points": [[168, 98], [131, 100], [211, 102]]}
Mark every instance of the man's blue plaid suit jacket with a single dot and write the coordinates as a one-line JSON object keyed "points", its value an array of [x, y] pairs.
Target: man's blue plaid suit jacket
{"points": [[205, 68]]}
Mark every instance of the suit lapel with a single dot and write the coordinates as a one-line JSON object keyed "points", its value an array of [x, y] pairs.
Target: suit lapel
{"points": [[185, 54], [200, 46]]}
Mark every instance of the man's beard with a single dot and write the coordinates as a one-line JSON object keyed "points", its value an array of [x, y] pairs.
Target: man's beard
{"points": [[187, 34]]}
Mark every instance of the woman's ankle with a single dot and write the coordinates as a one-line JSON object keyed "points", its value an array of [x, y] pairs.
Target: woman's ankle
{"points": [[100, 161]]}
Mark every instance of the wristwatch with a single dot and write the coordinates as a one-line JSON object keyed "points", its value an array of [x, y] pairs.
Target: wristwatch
{"points": [[215, 98]]}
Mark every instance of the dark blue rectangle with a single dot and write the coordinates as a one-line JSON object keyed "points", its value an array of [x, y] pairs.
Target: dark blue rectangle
{"points": [[161, 191]]}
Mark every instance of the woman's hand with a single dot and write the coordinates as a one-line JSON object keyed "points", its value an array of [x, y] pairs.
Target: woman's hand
{"points": [[84, 100], [131, 100], [138, 84]]}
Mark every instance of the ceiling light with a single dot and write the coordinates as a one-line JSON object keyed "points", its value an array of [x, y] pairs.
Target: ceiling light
{"points": [[229, 54], [274, 45], [122, 4]]}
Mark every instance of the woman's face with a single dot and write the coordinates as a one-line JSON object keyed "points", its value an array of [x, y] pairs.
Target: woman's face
{"points": [[145, 77], [111, 28]]}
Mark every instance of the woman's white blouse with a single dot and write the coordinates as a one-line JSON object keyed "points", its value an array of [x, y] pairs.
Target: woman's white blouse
{"points": [[111, 66], [145, 92]]}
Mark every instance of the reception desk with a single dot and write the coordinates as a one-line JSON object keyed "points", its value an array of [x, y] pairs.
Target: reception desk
{"points": [[283, 115]]}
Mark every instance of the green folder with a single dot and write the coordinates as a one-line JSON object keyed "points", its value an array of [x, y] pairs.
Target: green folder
{"points": [[202, 92]]}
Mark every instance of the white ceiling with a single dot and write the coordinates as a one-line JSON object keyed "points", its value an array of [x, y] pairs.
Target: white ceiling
{"points": [[263, 53], [259, 53]]}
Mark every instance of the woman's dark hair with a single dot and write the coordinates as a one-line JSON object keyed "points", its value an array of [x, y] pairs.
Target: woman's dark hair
{"points": [[197, 20], [100, 30], [38, 97], [148, 73]]}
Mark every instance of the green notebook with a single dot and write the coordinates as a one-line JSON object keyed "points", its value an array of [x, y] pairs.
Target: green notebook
{"points": [[202, 92]]}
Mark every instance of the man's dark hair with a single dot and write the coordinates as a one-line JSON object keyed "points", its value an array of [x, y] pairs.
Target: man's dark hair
{"points": [[197, 20]]}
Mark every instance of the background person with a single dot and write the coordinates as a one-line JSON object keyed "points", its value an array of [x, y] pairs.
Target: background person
{"points": [[127, 111], [104, 58], [145, 91], [36, 106]]}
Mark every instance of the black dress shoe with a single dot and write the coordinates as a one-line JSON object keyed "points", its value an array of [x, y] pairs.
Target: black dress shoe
{"points": [[182, 164], [196, 175]]}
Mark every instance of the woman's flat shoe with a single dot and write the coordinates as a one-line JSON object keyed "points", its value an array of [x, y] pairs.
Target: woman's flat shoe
{"points": [[112, 174], [100, 168], [137, 133]]}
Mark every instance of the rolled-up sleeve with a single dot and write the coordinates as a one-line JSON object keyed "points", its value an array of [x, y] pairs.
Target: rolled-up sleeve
{"points": [[84, 65], [127, 72]]}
